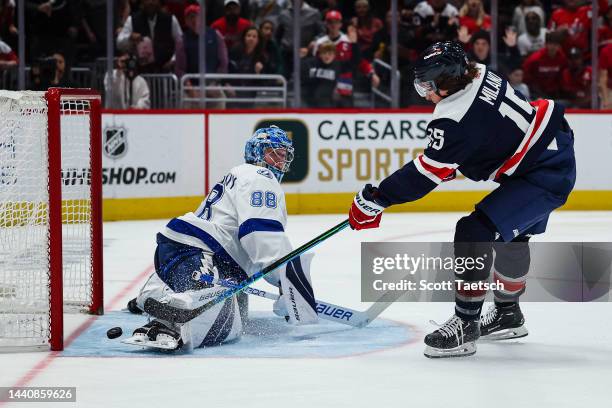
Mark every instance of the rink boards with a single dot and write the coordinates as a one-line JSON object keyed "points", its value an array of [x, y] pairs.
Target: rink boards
{"points": [[160, 163]]}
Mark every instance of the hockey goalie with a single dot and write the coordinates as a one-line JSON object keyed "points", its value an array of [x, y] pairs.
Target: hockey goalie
{"points": [[236, 231]]}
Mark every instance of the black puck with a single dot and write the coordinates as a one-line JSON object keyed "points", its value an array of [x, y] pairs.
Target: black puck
{"points": [[114, 332]]}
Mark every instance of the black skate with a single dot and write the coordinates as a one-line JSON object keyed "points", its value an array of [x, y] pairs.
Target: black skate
{"points": [[455, 338], [503, 323], [155, 334]]}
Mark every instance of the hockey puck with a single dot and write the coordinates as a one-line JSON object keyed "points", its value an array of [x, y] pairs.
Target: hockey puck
{"points": [[114, 332]]}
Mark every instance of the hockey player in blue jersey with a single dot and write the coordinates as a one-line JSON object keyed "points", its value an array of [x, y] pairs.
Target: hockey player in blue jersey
{"points": [[237, 230], [487, 131]]}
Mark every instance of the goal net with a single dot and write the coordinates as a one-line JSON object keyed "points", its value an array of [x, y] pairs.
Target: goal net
{"points": [[50, 214]]}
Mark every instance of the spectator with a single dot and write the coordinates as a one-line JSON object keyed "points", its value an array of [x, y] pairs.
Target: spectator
{"points": [[52, 25], [543, 68], [515, 79], [604, 32], [320, 76], [216, 51], [406, 40], [61, 77], [472, 15], [508, 55], [534, 38], [8, 58], [270, 47], [129, 89], [520, 13], [311, 26], [231, 25], [93, 25], [573, 22], [576, 81], [247, 57], [154, 26], [347, 50], [481, 47], [439, 21], [8, 30], [366, 24], [605, 69], [407, 32]]}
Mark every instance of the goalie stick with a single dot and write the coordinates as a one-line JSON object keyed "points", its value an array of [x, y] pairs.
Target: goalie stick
{"points": [[325, 310], [177, 315]]}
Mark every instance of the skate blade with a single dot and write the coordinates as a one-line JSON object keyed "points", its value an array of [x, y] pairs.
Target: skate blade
{"points": [[506, 334], [464, 350], [165, 343]]}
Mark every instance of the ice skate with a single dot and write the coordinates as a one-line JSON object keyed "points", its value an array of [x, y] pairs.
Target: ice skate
{"points": [[455, 338], [503, 323]]}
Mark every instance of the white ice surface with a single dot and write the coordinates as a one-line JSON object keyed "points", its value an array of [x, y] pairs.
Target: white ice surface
{"points": [[566, 361]]}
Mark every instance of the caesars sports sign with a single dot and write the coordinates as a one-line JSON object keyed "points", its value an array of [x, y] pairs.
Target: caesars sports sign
{"points": [[334, 153]]}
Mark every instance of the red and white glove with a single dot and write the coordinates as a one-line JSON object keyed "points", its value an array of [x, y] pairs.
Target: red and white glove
{"points": [[365, 212]]}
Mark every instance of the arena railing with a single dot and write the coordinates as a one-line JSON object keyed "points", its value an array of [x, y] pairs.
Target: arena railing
{"points": [[263, 90], [384, 71], [81, 77], [163, 89]]}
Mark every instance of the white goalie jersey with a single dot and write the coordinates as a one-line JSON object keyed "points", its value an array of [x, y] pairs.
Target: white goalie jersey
{"points": [[242, 221]]}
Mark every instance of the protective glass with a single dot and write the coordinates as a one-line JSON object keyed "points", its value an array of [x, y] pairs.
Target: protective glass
{"points": [[423, 88]]}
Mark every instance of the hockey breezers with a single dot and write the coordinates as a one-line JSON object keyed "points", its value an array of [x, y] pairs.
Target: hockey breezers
{"points": [[177, 315]]}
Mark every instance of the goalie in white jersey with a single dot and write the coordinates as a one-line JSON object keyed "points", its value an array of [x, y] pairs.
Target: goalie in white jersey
{"points": [[237, 230]]}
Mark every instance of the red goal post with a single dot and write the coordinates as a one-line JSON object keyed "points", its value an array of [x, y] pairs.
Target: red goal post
{"points": [[50, 213]]}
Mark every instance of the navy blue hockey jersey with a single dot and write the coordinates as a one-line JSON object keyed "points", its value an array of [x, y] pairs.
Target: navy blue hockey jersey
{"points": [[487, 131]]}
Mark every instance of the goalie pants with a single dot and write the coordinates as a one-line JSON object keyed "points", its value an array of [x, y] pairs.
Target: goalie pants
{"points": [[506, 218]]}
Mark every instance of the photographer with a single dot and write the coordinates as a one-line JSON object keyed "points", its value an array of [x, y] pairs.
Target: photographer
{"points": [[129, 90]]}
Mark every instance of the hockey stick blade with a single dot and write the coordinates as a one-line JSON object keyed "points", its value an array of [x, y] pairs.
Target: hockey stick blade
{"points": [[177, 315]]}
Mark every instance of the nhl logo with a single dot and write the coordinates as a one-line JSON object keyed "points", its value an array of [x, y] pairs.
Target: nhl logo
{"points": [[115, 142]]}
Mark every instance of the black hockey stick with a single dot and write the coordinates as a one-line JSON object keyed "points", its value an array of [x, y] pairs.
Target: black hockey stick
{"points": [[177, 315]]}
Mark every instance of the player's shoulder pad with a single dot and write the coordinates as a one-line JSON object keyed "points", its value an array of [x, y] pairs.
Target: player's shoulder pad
{"points": [[456, 106]]}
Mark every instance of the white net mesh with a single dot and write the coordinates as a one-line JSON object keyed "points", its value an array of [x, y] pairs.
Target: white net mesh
{"points": [[24, 217]]}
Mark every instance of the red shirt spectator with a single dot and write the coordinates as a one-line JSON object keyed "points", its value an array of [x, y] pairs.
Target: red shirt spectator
{"points": [[8, 58], [576, 81], [473, 17], [543, 68], [605, 71], [346, 51], [367, 25], [231, 26], [575, 21]]}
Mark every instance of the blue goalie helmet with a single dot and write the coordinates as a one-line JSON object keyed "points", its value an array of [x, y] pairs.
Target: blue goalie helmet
{"points": [[270, 148]]}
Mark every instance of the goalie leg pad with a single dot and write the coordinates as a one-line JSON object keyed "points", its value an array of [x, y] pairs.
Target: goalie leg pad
{"points": [[220, 324], [297, 293]]}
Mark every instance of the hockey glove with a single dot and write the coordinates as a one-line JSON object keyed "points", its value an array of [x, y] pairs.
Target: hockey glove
{"points": [[366, 212]]}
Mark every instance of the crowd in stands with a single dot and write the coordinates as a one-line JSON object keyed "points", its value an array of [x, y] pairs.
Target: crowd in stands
{"points": [[543, 45]]}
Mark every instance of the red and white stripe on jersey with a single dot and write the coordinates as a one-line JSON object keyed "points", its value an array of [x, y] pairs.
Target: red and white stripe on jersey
{"points": [[434, 170], [544, 110]]}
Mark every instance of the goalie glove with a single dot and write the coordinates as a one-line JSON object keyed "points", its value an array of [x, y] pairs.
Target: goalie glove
{"points": [[367, 209]]}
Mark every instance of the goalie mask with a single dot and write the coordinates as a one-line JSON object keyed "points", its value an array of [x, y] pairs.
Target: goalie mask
{"points": [[270, 148]]}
